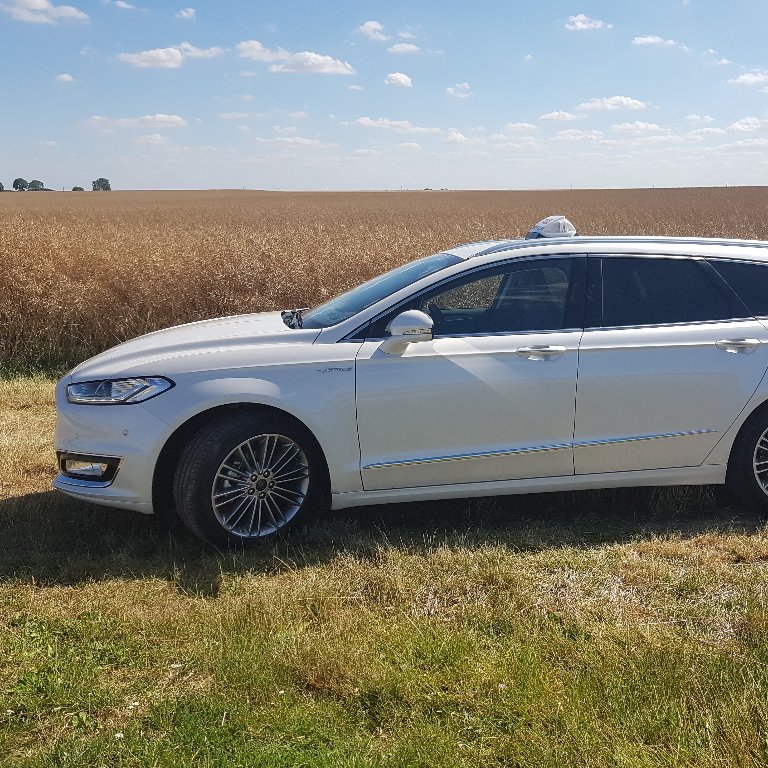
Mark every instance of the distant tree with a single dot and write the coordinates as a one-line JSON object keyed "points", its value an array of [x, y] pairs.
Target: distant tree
{"points": [[78, 189], [101, 185], [20, 185], [35, 185], [2, 188]]}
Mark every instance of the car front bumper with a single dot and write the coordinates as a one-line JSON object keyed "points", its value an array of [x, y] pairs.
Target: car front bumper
{"points": [[129, 434]]}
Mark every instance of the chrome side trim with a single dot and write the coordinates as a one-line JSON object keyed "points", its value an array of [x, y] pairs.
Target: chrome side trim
{"points": [[642, 438], [464, 456], [536, 449]]}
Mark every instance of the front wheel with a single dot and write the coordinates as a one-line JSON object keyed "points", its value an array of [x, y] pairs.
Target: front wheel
{"points": [[748, 466], [247, 479]]}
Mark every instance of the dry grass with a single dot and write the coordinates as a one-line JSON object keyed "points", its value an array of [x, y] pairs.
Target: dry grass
{"points": [[82, 272]]}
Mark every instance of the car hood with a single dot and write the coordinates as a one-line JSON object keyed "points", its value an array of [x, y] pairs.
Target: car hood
{"points": [[224, 342]]}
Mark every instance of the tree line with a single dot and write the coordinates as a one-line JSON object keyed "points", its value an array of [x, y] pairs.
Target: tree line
{"points": [[22, 185]]}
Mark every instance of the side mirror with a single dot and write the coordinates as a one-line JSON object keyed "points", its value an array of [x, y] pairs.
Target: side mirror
{"points": [[406, 328]]}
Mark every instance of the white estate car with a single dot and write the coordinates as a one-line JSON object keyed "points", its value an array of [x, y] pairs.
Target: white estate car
{"points": [[498, 367]]}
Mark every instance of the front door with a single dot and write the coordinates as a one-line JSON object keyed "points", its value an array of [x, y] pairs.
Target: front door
{"points": [[492, 397]]}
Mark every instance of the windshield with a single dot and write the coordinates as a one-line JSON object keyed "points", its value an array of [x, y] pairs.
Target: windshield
{"points": [[350, 303]]}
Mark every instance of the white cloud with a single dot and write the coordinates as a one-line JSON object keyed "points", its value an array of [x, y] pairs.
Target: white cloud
{"points": [[168, 58], [560, 115], [299, 114], [64, 78], [460, 90], [653, 40], [124, 6], [636, 126], [406, 34], [189, 14], [156, 121], [373, 30], [42, 11], [154, 139], [749, 124], [519, 127], [707, 132], [408, 145], [280, 60], [293, 141], [398, 126], [456, 137], [581, 22], [403, 48], [611, 103], [700, 119], [753, 77], [398, 78], [285, 130], [573, 134], [48, 143], [355, 88], [528, 57], [366, 152]]}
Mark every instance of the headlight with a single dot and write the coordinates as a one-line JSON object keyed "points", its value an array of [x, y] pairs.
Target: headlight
{"points": [[117, 391]]}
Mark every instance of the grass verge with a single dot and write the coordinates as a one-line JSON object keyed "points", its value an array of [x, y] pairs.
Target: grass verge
{"points": [[621, 628]]}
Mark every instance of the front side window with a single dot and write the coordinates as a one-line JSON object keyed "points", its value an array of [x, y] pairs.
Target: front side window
{"points": [[651, 291], [533, 295]]}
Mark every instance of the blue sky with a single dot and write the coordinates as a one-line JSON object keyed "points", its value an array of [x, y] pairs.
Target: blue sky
{"points": [[362, 95]]}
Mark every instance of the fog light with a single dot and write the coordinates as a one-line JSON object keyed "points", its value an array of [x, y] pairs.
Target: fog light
{"points": [[85, 468], [94, 468]]}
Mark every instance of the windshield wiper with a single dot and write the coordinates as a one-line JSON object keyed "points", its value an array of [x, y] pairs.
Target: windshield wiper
{"points": [[292, 317]]}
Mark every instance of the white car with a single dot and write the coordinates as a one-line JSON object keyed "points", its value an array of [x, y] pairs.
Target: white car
{"points": [[499, 367]]}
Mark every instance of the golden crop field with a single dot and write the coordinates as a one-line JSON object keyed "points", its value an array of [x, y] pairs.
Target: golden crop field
{"points": [[83, 271]]}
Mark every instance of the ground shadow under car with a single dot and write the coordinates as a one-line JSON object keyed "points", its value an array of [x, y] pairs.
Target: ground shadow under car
{"points": [[54, 540]]}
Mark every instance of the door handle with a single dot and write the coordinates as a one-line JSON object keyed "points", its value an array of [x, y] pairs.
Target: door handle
{"points": [[738, 345], [540, 352]]}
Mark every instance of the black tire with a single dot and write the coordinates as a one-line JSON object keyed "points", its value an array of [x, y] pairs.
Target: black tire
{"points": [[247, 479], [747, 474]]}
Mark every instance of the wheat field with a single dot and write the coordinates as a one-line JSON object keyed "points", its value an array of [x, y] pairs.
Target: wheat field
{"points": [[83, 271]]}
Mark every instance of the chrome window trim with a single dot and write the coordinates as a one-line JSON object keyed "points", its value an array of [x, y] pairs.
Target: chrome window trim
{"points": [[537, 449], [487, 335], [668, 325]]}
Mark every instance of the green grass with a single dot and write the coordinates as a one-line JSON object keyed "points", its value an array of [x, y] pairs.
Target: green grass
{"points": [[616, 628], [605, 629]]}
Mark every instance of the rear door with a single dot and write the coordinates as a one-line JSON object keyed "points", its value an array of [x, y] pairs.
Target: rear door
{"points": [[669, 358]]}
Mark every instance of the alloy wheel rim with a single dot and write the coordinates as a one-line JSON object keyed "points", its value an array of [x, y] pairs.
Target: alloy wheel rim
{"points": [[760, 462], [260, 486]]}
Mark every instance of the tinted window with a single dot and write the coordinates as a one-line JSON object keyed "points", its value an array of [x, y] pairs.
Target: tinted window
{"points": [[659, 291], [750, 281], [527, 296]]}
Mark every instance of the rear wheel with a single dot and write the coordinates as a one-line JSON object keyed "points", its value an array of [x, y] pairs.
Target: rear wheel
{"points": [[748, 466], [248, 479]]}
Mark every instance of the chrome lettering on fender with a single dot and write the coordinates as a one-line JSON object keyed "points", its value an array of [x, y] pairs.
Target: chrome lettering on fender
{"points": [[334, 370]]}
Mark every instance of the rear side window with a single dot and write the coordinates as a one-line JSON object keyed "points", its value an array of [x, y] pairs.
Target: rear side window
{"points": [[646, 291], [749, 281]]}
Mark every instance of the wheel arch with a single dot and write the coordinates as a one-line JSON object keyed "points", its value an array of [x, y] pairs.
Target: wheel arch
{"points": [[760, 411], [167, 460]]}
